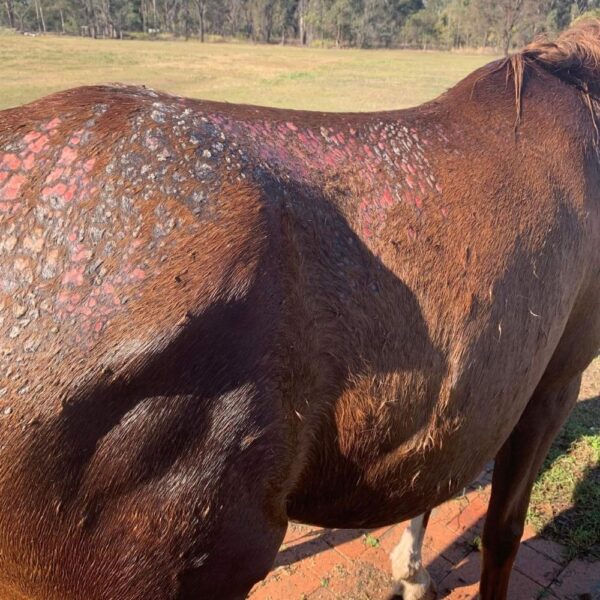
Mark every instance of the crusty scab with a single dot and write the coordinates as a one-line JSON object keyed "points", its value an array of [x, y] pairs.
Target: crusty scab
{"points": [[390, 157], [91, 200]]}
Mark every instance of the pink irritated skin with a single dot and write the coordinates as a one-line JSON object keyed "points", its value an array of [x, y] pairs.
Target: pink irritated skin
{"points": [[69, 192], [10, 162], [85, 310], [81, 254], [67, 157], [306, 152], [66, 297], [29, 162], [88, 165], [71, 303], [11, 189], [280, 146], [137, 274], [31, 137], [387, 199], [283, 145], [108, 288], [55, 174], [74, 276], [330, 160], [56, 190], [102, 302], [39, 144], [68, 170], [52, 125], [7, 208]]}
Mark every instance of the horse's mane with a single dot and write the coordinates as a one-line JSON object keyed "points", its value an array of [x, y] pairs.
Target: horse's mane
{"points": [[574, 57]]}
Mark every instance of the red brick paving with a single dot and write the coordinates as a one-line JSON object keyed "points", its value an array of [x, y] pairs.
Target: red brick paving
{"points": [[546, 547], [580, 580], [538, 567], [322, 594], [323, 564]]}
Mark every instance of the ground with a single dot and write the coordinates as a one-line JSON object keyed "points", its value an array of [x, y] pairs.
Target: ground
{"points": [[560, 556]]}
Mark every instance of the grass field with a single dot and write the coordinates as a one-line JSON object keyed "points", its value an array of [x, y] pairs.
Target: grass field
{"points": [[566, 498], [314, 79]]}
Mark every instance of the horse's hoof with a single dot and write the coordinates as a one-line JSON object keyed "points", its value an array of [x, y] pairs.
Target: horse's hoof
{"points": [[429, 595], [420, 588]]}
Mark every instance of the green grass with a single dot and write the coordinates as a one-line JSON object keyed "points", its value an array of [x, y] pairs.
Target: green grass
{"points": [[305, 78], [476, 543], [565, 503], [371, 541]]}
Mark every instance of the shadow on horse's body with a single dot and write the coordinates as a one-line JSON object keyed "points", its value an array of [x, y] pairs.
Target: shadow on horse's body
{"points": [[216, 318]]}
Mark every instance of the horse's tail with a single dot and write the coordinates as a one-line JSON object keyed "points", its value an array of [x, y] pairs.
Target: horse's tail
{"points": [[574, 57]]}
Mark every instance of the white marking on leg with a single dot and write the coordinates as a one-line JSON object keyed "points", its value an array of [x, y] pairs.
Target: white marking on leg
{"points": [[406, 556], [411, 579]]}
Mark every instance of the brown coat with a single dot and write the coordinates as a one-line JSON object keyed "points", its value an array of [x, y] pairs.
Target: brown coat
{"points": [[214, 318]]}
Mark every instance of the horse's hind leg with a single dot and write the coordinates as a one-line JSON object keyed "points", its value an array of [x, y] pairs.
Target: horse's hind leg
{"points": [[411, 579], [515, 470]]}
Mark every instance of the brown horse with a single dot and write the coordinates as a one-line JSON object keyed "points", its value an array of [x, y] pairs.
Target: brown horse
{"points": [[216, 318]]}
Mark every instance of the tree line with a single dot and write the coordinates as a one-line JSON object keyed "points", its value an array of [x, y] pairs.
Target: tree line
{"points": [[498, 24]]}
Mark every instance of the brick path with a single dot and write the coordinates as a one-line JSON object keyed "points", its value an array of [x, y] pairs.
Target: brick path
{"points": [[321, 564]]}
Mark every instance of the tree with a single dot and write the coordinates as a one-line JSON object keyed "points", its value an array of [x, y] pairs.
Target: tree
{"points": [[302, 12], [505, 18], [201, 10], [10, 14], [422, 28], [262, 14], [363, 23], [286, 22]]}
